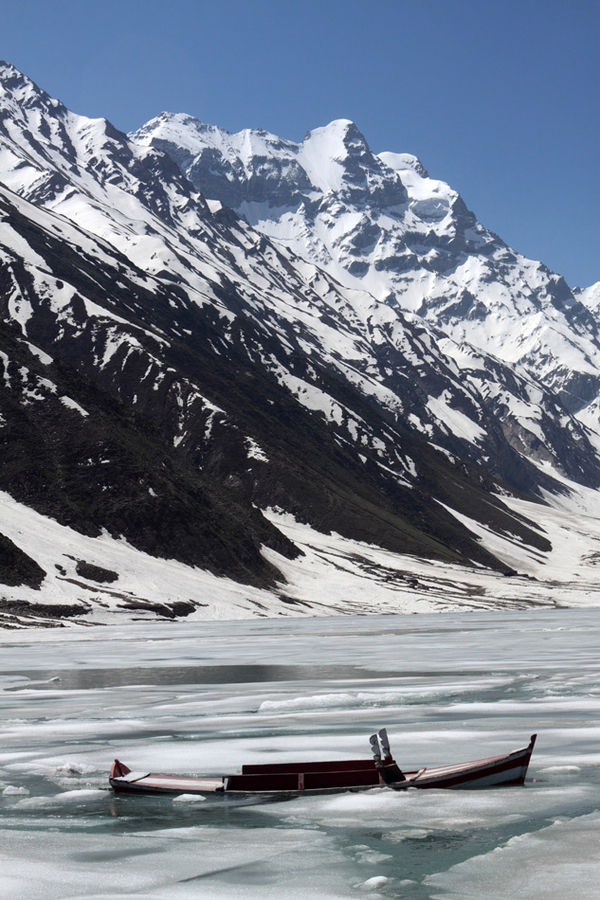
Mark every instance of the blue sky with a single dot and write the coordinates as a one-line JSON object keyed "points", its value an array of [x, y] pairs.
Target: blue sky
{"points": [[500, 99]]}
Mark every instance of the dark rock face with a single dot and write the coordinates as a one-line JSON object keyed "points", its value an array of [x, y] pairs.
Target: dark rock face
{"points": [[95, 573], [52, 611], [16, 568]]}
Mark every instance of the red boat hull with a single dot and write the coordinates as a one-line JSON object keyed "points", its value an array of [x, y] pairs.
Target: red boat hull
{"points": [[331, 776]]}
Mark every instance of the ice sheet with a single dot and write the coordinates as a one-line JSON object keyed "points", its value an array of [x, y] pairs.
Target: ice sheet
{"points": [[206, 697]]}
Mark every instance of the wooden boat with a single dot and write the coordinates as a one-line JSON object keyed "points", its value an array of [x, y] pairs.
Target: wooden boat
{"points": [[492, 771], [331, 776]]}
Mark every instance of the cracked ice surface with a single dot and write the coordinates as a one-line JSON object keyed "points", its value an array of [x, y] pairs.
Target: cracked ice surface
{"points": [[207, 696]]}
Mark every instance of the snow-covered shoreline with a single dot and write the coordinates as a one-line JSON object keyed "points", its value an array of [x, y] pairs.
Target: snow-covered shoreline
{"points": [[333, 576]]}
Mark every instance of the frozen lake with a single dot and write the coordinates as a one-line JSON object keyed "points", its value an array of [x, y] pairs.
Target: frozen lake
{"points": [[209, 696]]}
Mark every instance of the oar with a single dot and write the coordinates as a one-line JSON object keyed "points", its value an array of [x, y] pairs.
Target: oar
{"points": [[388, 769]]}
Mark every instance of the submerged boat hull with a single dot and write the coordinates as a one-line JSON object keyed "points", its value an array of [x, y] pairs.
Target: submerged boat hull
{"points": [[333, 776], [289, 781]]}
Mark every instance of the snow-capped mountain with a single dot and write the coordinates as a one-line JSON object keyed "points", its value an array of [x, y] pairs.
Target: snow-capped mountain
{"points": [[589, 296], [379, 222], [170, 371]]}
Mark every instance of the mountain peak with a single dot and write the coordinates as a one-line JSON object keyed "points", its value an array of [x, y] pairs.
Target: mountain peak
{"points": [[336, 156], [336, 126], [21, 90], [589, 296], [338, 139], [11, 78], [7, 69], [401, 162]]}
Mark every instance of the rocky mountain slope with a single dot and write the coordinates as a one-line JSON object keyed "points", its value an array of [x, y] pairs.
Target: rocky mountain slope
{"points": [[169, 372]]}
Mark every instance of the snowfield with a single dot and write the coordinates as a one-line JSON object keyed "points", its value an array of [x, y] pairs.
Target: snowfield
{"points": [[334, 575]]}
